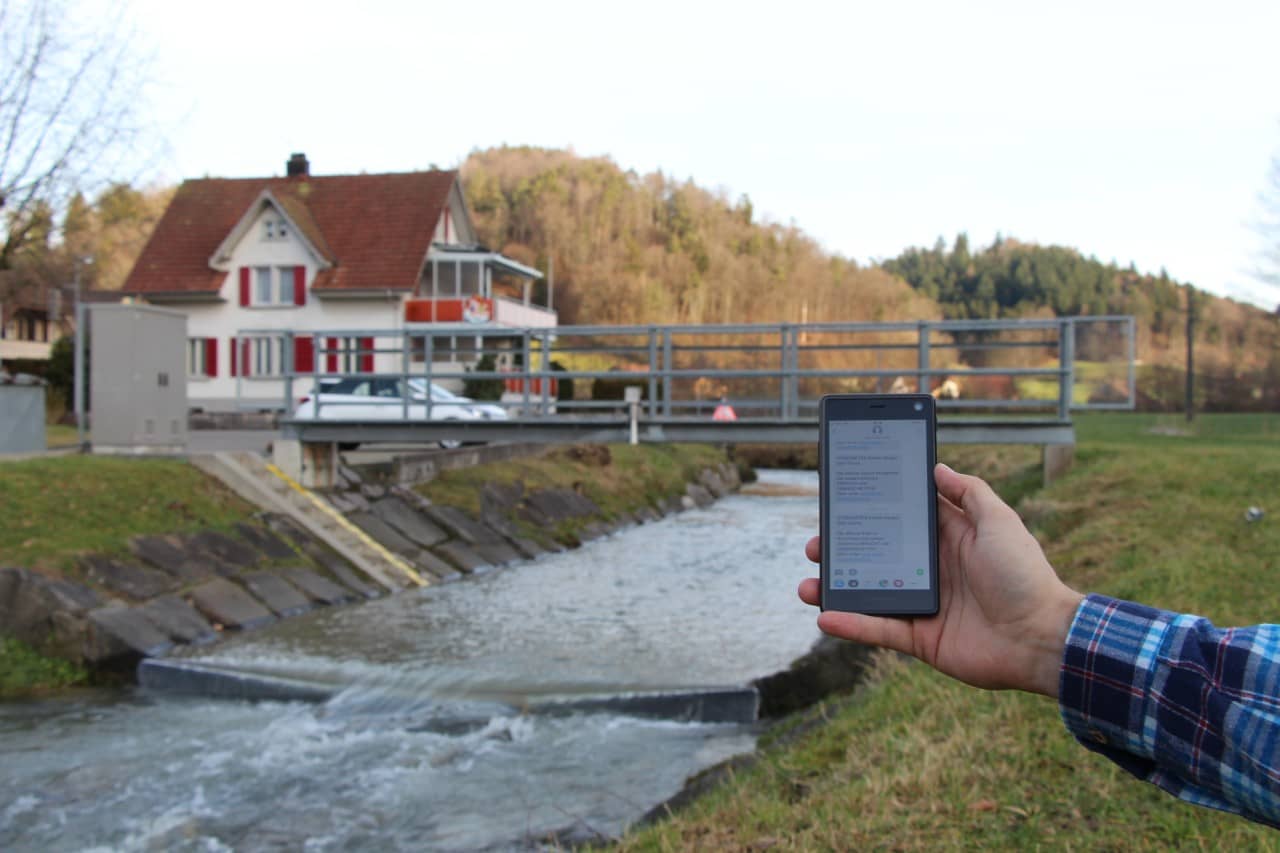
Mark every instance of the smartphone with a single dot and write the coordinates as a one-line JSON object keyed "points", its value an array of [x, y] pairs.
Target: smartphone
{"points": [[878, 514]]}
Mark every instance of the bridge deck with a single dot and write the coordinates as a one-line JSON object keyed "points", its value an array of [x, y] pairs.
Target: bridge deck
{"points": [[617, 429]]}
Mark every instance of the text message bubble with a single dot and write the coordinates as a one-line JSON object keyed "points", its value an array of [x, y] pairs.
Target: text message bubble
{"points": [[867, 476], [868, 538]]}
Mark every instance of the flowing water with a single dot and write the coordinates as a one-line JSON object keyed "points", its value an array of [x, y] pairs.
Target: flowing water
{"points": [[450, 721]]}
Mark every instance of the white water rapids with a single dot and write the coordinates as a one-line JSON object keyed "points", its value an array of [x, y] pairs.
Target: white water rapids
{"points": [[425, 744]]}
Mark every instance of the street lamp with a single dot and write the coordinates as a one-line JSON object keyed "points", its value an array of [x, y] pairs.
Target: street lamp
{"points": [[78, 351]]}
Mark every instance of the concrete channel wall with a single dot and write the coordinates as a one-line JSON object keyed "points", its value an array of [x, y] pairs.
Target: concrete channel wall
{"points": [[302, 551]]}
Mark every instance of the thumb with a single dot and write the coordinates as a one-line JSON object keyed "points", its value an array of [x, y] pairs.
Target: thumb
{"points": [[971, 494], [879, 631]]}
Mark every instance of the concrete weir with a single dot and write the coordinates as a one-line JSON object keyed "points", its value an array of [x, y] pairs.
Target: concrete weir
{"points": [[712, 705]]}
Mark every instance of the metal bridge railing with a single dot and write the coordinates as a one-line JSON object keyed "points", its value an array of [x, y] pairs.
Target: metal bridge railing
{"points": [[765, 371]]}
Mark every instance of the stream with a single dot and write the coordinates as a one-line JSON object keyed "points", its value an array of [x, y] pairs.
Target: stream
{"points": [[491, 713]]}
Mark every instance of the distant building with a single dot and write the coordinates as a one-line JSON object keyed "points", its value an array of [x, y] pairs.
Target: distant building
{"points": [[272, 271], [32, 319]]}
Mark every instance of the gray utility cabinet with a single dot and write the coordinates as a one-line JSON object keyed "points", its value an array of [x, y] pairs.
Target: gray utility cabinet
{"points": [[21, 418], [137, 379]]}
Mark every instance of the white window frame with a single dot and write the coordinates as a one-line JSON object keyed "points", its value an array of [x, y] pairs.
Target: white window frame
{"points": [[348, 355], [284, 283], [264, 358], [278, 285], [197, 352]]}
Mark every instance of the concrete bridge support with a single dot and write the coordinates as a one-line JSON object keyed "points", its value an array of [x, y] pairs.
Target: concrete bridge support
{"points": [[1056, 460], [313, 464]]}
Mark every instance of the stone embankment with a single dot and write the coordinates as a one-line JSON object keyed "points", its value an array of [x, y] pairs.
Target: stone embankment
{"points": [[187, 589]]}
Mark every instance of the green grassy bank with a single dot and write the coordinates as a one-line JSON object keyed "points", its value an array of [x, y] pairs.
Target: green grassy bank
{"points": [[1153, 510], [57, 508], [618, 478], [54, 509]]}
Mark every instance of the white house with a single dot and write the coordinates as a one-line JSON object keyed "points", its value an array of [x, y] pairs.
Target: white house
{"points": [[319, 273]]}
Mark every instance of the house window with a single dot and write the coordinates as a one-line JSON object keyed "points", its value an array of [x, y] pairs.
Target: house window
{"points": [[202, 357], [266, 356], [446, 283], [349, 355], [30, 326], [264, 286], [470, 279], [273, 286], [274, 229], [258, 356], [196, 361]]}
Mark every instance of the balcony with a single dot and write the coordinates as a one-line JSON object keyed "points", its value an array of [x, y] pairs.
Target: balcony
{"points": [[472, 287], [33, 350], [508, 312]]}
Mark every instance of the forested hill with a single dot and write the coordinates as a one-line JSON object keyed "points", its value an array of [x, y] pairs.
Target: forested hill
{"points": [[629, 248], [1013, 279], [1010, 278]]}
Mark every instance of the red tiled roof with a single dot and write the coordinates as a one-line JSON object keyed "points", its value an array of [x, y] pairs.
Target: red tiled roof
{"points": [[374, 229]]}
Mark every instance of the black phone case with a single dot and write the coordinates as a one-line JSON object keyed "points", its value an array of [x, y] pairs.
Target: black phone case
{"points": [[878, 407]]}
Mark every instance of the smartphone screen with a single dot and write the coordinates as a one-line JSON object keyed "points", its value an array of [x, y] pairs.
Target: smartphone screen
{"points": [[878, 504]]}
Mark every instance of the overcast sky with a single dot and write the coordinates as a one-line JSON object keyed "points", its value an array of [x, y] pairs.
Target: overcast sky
{"points": [[1132, 131]]}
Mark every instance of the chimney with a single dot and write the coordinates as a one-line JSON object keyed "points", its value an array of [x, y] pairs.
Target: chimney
{"points": [[297, 167]]}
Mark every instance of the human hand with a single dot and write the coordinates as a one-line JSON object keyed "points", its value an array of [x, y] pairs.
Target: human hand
{"points": [[1003, 615]]}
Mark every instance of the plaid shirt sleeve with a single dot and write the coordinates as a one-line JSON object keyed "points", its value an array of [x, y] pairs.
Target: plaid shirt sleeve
{"points": [[1179, 703]]}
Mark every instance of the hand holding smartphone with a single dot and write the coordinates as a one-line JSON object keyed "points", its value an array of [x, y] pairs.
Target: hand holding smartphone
{"points": [[878, 504]]}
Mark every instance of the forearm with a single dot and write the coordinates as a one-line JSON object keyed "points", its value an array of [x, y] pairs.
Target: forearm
{"points": [[1177, 702]]}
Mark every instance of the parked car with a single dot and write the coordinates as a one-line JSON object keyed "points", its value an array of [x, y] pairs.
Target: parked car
{"points": [[491, 411], [383, 399]]}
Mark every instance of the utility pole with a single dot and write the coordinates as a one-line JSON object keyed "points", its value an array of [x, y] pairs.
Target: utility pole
{"points": [[1191, 348], [551, 280], [78, 343]]}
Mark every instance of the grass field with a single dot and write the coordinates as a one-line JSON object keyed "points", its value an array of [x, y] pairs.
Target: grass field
{"points": [[55, 508], [1153, 511], [60, 435]]}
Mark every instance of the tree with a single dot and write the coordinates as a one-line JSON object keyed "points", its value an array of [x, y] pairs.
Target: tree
{"points": [[69, 115]]}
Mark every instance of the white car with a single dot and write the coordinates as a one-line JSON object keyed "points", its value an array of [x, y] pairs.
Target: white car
{"points": [[383, 399], [490, 411]]}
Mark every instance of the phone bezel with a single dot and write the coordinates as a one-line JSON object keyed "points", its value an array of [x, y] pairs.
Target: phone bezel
{"points": [[861, 407]]}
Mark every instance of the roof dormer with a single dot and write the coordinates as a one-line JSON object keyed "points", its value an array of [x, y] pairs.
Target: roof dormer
{"points": [[279, 218]]}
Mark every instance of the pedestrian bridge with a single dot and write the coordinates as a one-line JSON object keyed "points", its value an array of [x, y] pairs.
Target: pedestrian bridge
{"points": [[996, 381]]}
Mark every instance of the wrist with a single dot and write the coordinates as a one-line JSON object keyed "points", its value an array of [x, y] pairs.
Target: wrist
{"points": [[1049, 640]]}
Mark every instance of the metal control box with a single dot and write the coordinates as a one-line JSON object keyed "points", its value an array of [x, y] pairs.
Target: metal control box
{"points": [[21, 418], [137, 379]]}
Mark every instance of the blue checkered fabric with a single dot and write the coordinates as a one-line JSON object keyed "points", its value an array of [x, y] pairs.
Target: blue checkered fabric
{"points": [[1179, 703]]}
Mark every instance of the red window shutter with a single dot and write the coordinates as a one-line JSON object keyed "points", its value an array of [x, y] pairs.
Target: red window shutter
{"points": [[210, 356], [299, 285], [231, 345], [332, 360], [304, 354], [244, 286], [366, 355]]}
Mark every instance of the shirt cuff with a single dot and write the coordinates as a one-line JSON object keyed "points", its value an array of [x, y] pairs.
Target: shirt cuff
{"points": [[1104, 689]]}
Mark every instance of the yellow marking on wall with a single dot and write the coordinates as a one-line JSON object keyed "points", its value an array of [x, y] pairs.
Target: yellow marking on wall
{"points": [[342, 521]]}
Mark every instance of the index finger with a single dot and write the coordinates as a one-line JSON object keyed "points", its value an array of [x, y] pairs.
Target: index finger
{"points": [[813, 549]]}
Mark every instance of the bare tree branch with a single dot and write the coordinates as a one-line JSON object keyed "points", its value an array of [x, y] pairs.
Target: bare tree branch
{"points": [[69, 109]]}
